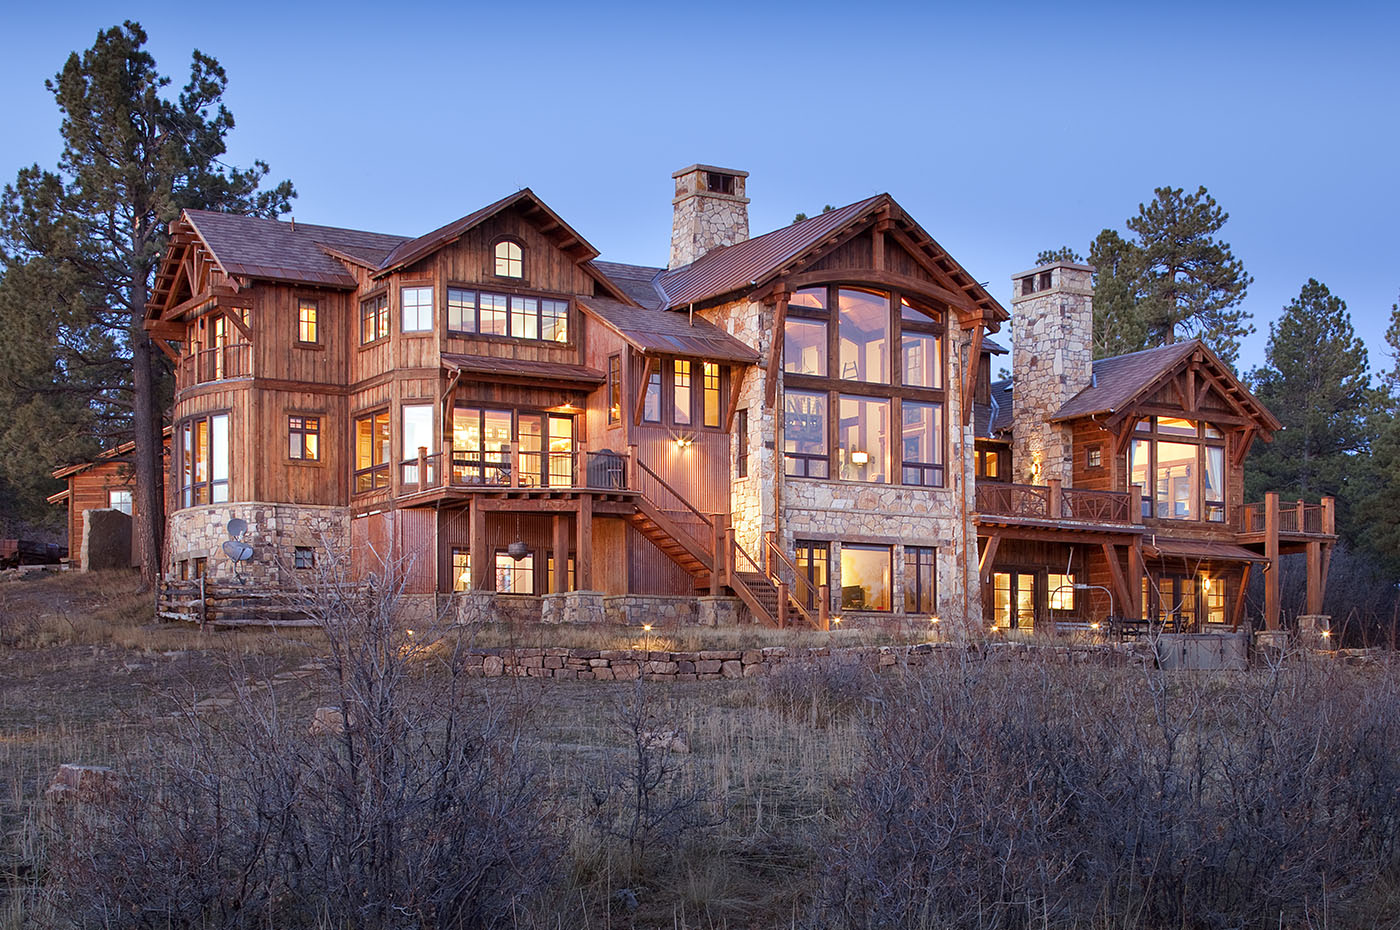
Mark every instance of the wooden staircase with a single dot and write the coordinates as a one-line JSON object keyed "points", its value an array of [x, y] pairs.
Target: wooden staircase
{"points": [[666, 527]]}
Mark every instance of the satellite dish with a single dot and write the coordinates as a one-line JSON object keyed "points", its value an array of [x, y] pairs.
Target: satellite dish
{"points": [[237, 527], [238, 551]]}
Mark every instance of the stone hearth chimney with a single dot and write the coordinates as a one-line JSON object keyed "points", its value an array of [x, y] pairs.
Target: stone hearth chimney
{"points": [[1052, 359], [710, 211]]}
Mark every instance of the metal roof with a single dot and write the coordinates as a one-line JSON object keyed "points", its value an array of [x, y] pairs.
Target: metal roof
{"points": [[668, 332], [522, 368]]}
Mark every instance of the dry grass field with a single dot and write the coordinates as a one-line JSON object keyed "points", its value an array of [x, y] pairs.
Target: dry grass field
{"points": [[972, 795]]}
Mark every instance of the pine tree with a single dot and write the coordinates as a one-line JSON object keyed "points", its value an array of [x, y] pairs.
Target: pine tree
{"points": [[1316, 382], [1063, 254], [1382, 531], [1173, 280], [95, 228]]}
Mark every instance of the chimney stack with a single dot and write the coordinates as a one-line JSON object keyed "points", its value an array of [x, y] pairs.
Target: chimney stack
{"points": [[1052, 359], [710, 211]]}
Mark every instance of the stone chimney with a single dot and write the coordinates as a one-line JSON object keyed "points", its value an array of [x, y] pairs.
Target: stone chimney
{"points": [[710, 211], [1052, 359]]}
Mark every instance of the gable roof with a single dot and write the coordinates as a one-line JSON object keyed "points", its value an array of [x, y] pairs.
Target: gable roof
{"points": [[1122, 381], [285, 251], [667, 332], [762, 259], [107, 455]]}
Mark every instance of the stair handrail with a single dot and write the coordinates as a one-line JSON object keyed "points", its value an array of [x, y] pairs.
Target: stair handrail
{"points": [[799, 581]]}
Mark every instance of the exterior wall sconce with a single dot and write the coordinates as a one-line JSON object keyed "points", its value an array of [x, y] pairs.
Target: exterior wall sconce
{"points": [[860, 457], [1035, 468], [683, 442]]}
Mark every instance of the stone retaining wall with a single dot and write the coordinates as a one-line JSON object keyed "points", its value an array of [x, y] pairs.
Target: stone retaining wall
{"points": [[716, 664]]}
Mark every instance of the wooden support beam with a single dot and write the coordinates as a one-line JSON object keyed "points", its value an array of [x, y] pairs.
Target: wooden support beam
{"points": [[561, 553], [1271, 571], [1136, 572], [1243, 441], [877, 244], [648, 363], [583, 545], [775, 350], [167, 348], [1315, 580], [953, 293], [988, 559], [1237, 613], [1115, 571], [242, 327], [481, 559], [974, 365], [737, 373]]}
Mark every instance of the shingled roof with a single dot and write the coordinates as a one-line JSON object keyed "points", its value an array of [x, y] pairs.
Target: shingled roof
{"points": [[286, 251], [636, 281], [1121, 378], [668, 332]]}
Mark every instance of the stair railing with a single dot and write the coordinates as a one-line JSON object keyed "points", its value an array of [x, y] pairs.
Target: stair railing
{"points": [[804, 595], [673, 504]]}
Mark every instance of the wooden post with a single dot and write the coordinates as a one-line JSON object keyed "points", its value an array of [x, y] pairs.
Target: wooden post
{"points": [[514, 457], [1135, 503], [1133, 609], [561, 553], [422, 467], [583, 545], [203, 604], [634, 470], [1301, 512], [767, 558], [782, 604], [1329, 516], [1315, 580], [482, 560], [716, 552], [1055, 509], [1271, 579], [729, 555], [824, 606], [446, 466]]}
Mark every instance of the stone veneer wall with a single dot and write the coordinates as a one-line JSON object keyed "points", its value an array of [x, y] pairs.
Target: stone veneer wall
{"points": [[1052, 358], [274, 530]]}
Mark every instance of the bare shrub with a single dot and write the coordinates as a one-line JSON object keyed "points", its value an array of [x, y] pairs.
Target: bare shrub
{"points": [[821, 692], [420, 812], [1027, 794], [646, 795]]}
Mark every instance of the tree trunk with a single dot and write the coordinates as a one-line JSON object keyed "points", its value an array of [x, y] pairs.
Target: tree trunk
{"points": [[150, 470]]}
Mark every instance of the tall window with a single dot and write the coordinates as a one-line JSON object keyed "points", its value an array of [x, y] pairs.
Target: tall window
{"points": [[813, 564], [308, 330], [804, 434], [514, 315], [417, 433], [864, 438], [710, 397], [614, 389], [884, 362], [509, 260], [1059, 591], [204, 460], [416, 306], [865, 577], [570, 583], [461, 570], [741, 443], [681, 394], [1180, 465], [374, 319], [920, 579], [651, 404], [515, 576], [304, 435], [481, 441], [372, 451]]}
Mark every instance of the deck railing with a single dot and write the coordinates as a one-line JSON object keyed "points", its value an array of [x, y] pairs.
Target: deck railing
{"points": [[1051, 502], [217, 364], [512, 467], [1297, 518]]}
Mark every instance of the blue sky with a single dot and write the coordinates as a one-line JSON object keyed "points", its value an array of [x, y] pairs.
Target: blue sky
{"points": [[1002, 128]]}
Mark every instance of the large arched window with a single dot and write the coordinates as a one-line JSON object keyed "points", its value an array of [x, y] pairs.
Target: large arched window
{"points": [[864, 386], [510, 259]]}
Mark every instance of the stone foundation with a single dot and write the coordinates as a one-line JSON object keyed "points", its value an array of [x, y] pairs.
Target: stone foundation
{"points": [[275, 531], [721, 611], [573, 607], [659, 610]]}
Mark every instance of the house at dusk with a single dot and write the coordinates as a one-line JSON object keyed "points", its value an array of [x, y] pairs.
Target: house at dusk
{"points": [[793, 428]]}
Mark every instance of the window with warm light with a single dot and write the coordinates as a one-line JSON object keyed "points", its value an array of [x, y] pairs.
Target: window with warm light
{"points": [[461, 569], [865, 577], [372, 447], [374, 319], [651, 404], [307, 326], [510, 260], [710, 394], [863, 434], [203, 460], [1180, 465], [417, 434], [741, 443], [519, 316], [304, 435], [804, 434], [515, 576], [1060, 591], [922, 444], [681, 394], [614, 390], [813, 564]]}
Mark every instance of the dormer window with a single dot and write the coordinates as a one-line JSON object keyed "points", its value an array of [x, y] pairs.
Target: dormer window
{"points": [[510, 260]]}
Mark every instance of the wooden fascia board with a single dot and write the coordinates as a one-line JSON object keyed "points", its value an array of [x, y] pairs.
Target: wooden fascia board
{"points": [[973, 291], [1249, 412]]}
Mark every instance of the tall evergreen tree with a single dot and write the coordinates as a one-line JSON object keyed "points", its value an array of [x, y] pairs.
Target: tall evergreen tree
{"points": [[1316, 382], [1063, 254], [1175, 279], [1382, 533], [132, 158]]}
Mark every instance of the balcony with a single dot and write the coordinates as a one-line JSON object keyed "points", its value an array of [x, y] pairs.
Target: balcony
{"points": [[1054, 504], [512, 469], [217, 364], [1287, 523]]}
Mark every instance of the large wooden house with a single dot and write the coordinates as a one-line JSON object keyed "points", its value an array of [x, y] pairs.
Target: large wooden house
{"points": [[530, 431]]}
